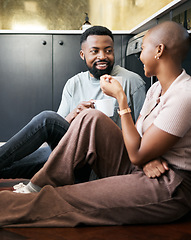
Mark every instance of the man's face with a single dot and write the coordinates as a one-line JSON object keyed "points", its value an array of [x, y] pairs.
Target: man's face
{"points": [[98, 54]]}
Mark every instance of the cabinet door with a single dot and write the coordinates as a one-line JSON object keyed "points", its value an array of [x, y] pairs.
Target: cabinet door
{"points": [[66, 63], [25, 80], [118, 49]]}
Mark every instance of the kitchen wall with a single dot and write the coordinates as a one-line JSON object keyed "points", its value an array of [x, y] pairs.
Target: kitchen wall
{"points": [[123, 14], [42, 15]]}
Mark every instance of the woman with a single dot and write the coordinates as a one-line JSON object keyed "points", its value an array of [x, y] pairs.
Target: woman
{"points": [[144, 170]]}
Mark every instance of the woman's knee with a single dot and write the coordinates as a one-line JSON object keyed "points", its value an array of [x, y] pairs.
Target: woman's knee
{"points": [[96, 114], [96, 117]]}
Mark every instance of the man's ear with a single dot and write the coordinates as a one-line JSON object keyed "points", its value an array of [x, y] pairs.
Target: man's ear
{"points": [[82, 54], [160, 49]]}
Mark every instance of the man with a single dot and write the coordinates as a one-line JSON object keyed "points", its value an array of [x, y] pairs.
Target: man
{"points": [[97, 50]]}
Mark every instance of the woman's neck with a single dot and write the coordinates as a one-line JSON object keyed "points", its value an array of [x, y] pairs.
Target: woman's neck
{"points": [[166, 78]]}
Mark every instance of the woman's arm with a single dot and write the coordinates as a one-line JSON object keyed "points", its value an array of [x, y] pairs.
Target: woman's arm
{"points": [[154, 142]]}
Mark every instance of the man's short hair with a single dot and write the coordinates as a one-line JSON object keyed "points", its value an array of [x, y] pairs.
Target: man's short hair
{"points": [[95, 30]]}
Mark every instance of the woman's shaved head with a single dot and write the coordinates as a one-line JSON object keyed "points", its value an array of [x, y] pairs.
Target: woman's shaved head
{"points": [[173, 36]]}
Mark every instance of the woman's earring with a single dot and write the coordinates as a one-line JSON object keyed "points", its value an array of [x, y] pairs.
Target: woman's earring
{"points": [[156, 57]]}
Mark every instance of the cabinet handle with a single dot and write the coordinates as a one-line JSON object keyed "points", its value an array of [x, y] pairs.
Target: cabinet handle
{"points": [[44, 42], [61, 42]]}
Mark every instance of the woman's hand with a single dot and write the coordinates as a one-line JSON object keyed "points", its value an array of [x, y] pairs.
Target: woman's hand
{"points": [[155, 168], [111, 86]]}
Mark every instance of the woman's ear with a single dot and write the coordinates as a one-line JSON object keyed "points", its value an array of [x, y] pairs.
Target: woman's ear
{"points": [[82, 54], [160, 50]]}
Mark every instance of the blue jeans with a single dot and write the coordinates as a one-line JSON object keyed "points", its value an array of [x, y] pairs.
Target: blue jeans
{"points": [[21, 155]]}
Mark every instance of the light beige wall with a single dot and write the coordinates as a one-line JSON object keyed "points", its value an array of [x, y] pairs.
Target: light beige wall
{"points": [[123, 14], [69, 14], [42, 14]]}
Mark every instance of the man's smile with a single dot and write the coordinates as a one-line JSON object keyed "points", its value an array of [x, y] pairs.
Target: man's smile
{"points": [[101, 65]]}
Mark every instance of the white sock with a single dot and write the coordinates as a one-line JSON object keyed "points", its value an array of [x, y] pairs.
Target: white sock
{"points": [[29, 188], [32, 187]]}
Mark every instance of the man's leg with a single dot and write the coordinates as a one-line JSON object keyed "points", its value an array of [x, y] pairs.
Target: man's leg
{"points": [[47, 127], [27, 166]]}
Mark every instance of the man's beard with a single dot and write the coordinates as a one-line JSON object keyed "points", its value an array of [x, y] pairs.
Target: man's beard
{"points": [[97, 73]]}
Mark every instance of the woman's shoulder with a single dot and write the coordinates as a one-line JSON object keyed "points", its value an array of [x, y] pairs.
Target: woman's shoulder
{"points": [[154, 90]]}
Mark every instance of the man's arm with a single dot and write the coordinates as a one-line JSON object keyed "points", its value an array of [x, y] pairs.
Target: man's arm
{"points": [[65, 104]]}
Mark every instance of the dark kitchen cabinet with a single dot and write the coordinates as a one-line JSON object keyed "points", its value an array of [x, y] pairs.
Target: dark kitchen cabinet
{"points": [[33, 71], [66, 63], [25, 80]]}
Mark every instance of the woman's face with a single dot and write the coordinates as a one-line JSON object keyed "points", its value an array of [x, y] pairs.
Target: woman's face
{"points": [[147, 57]]}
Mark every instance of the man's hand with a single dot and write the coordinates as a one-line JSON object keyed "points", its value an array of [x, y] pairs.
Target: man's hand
{"points": [[155, 168], [83, 105]]}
